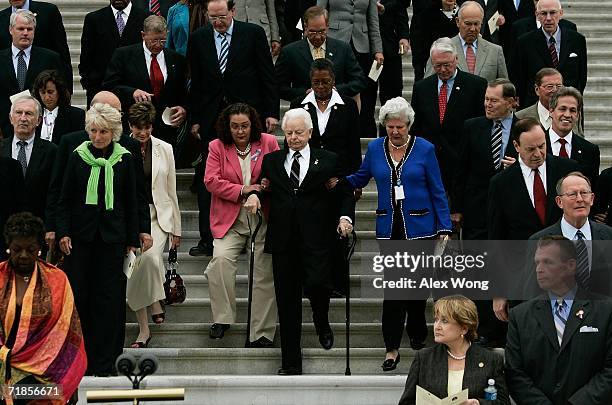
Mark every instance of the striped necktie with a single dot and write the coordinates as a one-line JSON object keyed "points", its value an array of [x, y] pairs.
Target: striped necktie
{"points": [[560, 318], [470, 58], [295, 171], [224, 52], [582, 265], [496, 144], [553, 52], [154, 7]]}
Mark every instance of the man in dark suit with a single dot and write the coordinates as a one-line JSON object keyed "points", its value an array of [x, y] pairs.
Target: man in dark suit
{"points": [[565, 106], [21, 63], [551, 46], [301, 233], [157, 7], [35, 155], [292, 68], [559, 349], [528, 24], [512, 10], [288, 13], [460, 94], [231, 63], [50, 32], [147, 71], [105, 30]]}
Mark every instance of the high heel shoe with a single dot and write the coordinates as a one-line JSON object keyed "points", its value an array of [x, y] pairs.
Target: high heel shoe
{"points": [[390, 364], [158, 318], [141, 345]]}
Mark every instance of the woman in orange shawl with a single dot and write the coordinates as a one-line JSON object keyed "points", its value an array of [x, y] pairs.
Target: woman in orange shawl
{"points": [[40, 333]]}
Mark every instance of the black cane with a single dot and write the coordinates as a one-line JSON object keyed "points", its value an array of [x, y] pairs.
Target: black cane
{"points": [[250, 280], [349, 254]]}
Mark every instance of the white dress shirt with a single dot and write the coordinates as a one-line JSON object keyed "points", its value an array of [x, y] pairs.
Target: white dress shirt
{"points": [[544, 116], [323, 116], [228, 36], [304, 161], [555, 145], [26, 6], [569, 231], [27, 53], [528, 176], [28, 147], [161, 60], [48, 123], [125, 12], [557, 36], [465, 44]]}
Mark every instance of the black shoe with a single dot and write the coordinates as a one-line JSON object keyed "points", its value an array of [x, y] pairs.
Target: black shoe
{"points": [[217, 330], [202, 249], [390, 364], [289, 371], [416, 344], [327, 339], [262, 342]]}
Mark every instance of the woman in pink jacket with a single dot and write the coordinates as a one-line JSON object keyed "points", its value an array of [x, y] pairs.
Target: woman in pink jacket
{"points": [[233, 171]]}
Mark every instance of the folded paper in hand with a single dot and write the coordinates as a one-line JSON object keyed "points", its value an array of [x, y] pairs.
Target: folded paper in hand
{"points": [[375, 71], [128, 264], [424, 397]]}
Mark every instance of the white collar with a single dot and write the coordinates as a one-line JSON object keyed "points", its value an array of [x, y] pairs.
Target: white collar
{"points": [[554, 137], [305, 152], [527, 170], [148, 53], [569, 230], [311, 46], [16, 51], [51, 112], [543, 113], [335, 99], [29, 141], [126, 11]]}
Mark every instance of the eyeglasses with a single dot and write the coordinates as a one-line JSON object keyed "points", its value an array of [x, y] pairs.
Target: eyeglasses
{"points": [[574, 194], [217, 17], [438, 66], [298, 132], [321, 82], [551, 87], [237, 128], [161, 42], [321, 32], [551, 13]]}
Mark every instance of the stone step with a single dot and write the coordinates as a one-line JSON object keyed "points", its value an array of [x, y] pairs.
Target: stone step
{"points": [[232, 389]]}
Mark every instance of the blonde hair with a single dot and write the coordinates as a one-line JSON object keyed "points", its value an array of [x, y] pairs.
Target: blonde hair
{"points": [[461, 310], [102, 115]]}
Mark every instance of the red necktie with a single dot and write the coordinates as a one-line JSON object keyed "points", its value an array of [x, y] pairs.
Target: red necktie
{"points": [[539, 196], [562, 150], [553, 52], [155, 8], [157, 78], [442, 100], [470, 58]]}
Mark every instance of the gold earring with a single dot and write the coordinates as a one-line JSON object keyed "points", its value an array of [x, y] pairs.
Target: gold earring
{"points": [[39, 253], [8, 251]]}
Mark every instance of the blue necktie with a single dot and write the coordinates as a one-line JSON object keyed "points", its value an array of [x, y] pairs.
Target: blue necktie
{"points": [[223, 53], [22, 69], [582, 265], [560, 319]]}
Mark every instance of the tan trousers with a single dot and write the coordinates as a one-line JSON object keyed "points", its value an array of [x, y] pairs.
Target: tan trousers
{"points": [[221, 275]]}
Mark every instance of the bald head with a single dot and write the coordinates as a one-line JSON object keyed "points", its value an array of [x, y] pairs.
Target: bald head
{"points": [[106, 97]]}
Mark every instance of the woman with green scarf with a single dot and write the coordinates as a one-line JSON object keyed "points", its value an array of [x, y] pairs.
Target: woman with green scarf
{"points": [[97, 225]]}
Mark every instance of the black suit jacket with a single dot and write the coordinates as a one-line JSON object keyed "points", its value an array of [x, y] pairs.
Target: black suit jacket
{"points": [[40, 59], [67, 145], [539, 372], [531, 54], [476, 168], [292, 69], [69, 119], [603, 195], [38, 174], [393, 25], [585, 153], [50, 33], [429, 370], [511, 215], [511, 14], [11, 184], [248, 77], [341, 134], [128, 72], [99, 40], [466, 101], [81, 221], [164, 5]]}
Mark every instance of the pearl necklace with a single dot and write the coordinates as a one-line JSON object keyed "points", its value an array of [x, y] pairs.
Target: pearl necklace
{"points": [[399, 147], [457, 357], [246, 151]]}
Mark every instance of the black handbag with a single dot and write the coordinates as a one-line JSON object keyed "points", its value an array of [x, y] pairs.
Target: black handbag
{"points": [[173, 286]]}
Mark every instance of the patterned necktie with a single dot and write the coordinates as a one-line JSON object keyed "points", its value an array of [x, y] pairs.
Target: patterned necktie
{"points": [[22, 70], [154, 7], [156, 76], [318, 53], [563, 150], [442, 100], [120, 22], [560, 320], [496, 144], [582, 265], [470, 58], [21, 156], [539, 196], [223, 53], [553, 52], [295, 171]]}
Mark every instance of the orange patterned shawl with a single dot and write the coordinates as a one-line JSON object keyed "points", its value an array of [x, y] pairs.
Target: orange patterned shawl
{"points": [[49, 342]]}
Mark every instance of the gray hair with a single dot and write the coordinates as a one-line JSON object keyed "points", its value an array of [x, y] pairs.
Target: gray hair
{"points": [[568, 91], [27, 15], [559, 185], [27, 97], [102, 115], [443, 45], [470, 3], [295, 114], [155, 23], [396, 108]]}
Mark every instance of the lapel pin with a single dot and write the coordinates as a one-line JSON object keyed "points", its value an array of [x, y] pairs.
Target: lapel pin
{"points": [[481, 364], [457, 88], [579, 151], [316, 162], [331, 54], [580, 314], [335, 107], [306, 107]]}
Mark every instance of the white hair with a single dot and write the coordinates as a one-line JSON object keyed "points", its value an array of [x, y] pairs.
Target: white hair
{"points": [[26, 97], [104, 116], [396, 108], [443, 45], [27, 15], [295, 114], [469, 3]]}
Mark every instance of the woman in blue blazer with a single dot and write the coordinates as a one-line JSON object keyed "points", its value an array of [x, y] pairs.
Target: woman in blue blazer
{"points": [[404, 164]]}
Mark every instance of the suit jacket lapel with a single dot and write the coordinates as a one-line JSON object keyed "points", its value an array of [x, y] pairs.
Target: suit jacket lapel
{"points": [[256, 159], [8, 64], [543, 315], [155, 158], [35, 158], [313, 167], [142, 69], [112, 23], [435, 97], [6, 148], [563, 49], [551, 185], [232, 158], [32, 66], [523, 194], [312, 110], [304, 51], [455, 93], [481, 55], [576, 148], [209, 35], [235, 45], [542, 46], [460, 54], [574, 321]]}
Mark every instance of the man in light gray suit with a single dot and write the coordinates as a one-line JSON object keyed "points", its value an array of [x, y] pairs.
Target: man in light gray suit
{"points": [[262, 13], [476, 55]]}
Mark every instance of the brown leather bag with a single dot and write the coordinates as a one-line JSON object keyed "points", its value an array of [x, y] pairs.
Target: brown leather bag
{"points": [[173, 286]]}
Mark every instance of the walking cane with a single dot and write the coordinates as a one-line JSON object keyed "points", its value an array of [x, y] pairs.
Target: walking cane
{"points": [[250, 280], [349, 254]]}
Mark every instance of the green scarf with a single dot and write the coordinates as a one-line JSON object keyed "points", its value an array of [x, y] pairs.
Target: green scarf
{"points": [[94, 175]]}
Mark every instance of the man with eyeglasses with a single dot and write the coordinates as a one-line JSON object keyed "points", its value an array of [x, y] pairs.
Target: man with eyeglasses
{"points": [[531, 23], [150, 72], [293, 65], [565, 105], [551, 46]]}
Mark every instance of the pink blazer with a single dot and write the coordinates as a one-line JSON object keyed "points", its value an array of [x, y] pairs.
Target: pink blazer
{"points": [[223, 179]]}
